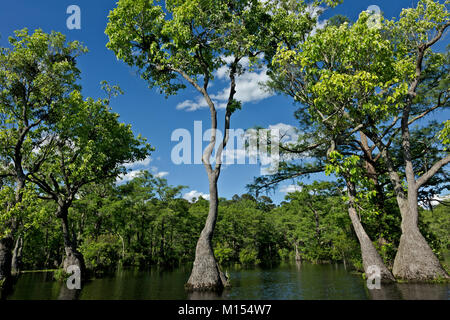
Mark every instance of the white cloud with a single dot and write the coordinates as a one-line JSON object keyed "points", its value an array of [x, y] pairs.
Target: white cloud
{"points": [[135, 168], [290, 188], [241, 154], [161, 174], [232, 156], [315, 12], [288, 133], [435, 201], [138, 164], [195, 194], [248, 88], [190, 105], [128, 176]]}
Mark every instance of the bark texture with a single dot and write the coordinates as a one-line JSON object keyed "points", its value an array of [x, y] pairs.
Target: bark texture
{"points": [[415, 260], [206, 274], [5, 259], [73, 256], [16, 264], [370, 255]]}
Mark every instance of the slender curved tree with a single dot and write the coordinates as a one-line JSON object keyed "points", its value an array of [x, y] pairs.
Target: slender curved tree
{"points": [[185, 42]]}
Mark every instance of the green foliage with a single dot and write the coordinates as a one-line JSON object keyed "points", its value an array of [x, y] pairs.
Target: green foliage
{"points": [[172, 41], [435, 226], [316, 221], [37, 74], [60, 275], [102, 253], [356, 79], [223, 255], [351, 77], [248, 257], [144, 222], [444, 135]]}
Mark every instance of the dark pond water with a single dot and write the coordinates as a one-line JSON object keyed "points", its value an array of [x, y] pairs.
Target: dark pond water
{"points": [[286, 281]]}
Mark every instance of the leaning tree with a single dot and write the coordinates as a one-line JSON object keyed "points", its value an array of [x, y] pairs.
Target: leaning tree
{"points": [[381, 80], [186, 42]]}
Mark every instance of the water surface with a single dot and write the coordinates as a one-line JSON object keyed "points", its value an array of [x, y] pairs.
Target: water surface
{"points": [[288, 281]]}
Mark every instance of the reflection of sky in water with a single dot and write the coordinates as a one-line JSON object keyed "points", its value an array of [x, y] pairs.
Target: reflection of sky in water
{"points": [[285, 282]]}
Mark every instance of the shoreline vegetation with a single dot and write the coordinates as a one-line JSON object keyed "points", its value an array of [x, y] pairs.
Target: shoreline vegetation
{"points": [[242, 220], [363, 94]]}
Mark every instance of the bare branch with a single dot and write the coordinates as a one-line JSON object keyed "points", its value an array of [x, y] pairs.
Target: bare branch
{"points": [[433, 170]]}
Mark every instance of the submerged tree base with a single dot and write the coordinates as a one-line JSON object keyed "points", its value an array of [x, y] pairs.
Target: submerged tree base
{"points": [[206, 274], [416, 262], [202, 279]]}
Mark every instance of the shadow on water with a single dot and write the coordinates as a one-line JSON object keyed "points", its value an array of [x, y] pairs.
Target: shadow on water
{"points": [[410, 291], [68, 294], [287, 281], [205, 295], [424, 291], [7, 286]]}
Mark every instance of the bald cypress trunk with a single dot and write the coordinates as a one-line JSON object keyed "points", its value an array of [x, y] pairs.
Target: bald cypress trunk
{"points": [[72, 255], [206, 274], [369, 254], [5, 259], [298, 257], [7, 243], [16, 264], [415, 260]]}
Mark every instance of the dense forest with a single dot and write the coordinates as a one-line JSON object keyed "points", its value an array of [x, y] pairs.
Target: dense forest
{"points": [[144, 222], [371, 104]]}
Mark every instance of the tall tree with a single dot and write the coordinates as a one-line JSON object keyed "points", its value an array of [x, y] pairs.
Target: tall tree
{"points": [[37, 73], [189, 41], [90, 146], [380, 81]]}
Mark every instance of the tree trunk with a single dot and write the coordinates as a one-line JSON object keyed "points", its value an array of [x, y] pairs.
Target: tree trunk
{"points": [[5, 259], [72, 256], [372, 174], [415, 259], [206, 274], [6, 243], [298, 257], [162, 243], [370, 255], [17, 256]]}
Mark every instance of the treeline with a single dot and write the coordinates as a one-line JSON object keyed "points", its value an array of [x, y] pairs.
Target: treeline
{"points": [[145, 222], [364, 94]]}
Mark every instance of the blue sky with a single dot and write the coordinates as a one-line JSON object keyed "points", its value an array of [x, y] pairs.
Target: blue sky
{"points": [[149, 112]]}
